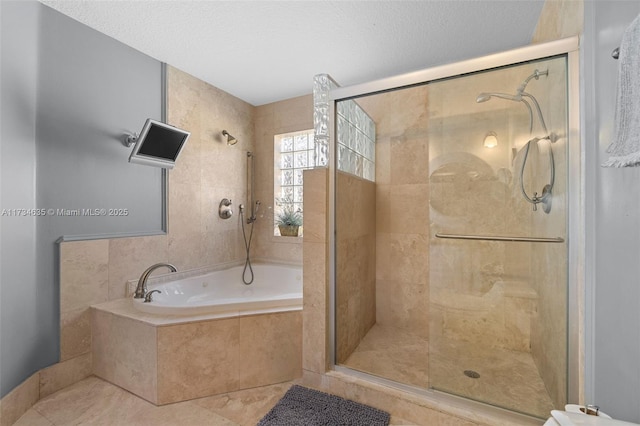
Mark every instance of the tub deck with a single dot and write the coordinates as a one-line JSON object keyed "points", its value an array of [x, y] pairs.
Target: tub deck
{"points": [[169, 355]]}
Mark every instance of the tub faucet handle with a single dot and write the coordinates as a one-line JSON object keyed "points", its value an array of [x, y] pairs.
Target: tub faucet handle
{"points": [[149, 296], [224, 209], [591, 410]]}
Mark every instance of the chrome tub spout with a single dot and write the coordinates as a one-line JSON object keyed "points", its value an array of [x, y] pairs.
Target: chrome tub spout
{"points": [[141, 289]]}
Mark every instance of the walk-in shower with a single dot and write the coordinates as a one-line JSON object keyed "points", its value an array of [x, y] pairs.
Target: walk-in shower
{"points": [[445, 280]]}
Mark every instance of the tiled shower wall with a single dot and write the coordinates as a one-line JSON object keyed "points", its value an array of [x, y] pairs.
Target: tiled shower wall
{"points": [[480, 291], [355, 262], [207, 171], [401, 205], [527, 283], [549, 261], [558, 19]]}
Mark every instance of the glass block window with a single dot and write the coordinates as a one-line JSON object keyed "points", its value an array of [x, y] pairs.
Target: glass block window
{"points": [[322, 86], [293, 153], [356, 133]]}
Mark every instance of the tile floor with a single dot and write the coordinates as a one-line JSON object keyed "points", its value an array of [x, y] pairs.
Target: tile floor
{"points": [[93, 401], [507, 378]]}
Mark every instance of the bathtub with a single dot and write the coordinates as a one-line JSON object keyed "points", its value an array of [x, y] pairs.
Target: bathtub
{"points": [[275, 288]]}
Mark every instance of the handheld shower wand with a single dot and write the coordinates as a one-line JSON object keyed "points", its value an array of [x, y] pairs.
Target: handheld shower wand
{"points": [[545, 198], [255, 206], [254, 216]]}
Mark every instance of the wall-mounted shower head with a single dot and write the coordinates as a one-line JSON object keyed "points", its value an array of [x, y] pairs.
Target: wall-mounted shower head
{"points": [[230, 139], [484, 97]]}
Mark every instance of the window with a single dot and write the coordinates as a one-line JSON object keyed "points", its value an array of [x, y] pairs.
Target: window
{"points": [[293, 153], [356, 141]]}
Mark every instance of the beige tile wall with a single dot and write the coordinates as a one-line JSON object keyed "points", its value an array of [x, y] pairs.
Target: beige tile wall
{"points": [[273, 119], [549, 261], [84, 278], [65, 373], [124, 353], [401, 203], [95, 271], [207, 171], [198, 359], [473, 191], [558, 19], [513, 296], [355, 262], [166, 364], [315, 318]]}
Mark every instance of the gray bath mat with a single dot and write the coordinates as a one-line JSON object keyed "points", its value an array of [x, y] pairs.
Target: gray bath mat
{"points": [[302, 406]]}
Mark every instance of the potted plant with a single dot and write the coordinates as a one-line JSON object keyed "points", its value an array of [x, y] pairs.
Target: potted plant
{"points": [[288, 219]]}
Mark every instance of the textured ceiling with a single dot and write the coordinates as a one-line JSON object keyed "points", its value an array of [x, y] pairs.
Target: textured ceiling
{"points": [[265, 51]]}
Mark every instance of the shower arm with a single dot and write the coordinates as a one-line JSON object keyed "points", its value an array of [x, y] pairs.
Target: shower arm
{"points": [[536, 74]]}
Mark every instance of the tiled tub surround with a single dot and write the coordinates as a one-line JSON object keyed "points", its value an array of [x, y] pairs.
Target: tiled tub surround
{"points": [[96, 271], [166, 359]]}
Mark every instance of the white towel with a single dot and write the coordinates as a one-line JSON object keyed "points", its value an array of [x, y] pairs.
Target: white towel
{"points": [[625, 148]]}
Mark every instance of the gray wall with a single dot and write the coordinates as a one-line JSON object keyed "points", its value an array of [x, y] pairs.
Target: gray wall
{"points": [[74, 93], [21, 350], [613, 227]]}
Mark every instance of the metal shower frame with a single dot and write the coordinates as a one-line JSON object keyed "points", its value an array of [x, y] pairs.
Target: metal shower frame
{"points": [[575, 215]]}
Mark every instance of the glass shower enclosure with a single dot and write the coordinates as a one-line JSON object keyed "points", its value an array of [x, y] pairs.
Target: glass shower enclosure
{"points": [[451, 219]]}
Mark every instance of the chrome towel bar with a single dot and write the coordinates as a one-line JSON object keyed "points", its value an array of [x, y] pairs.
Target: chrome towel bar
{"points": [[500, 238]]}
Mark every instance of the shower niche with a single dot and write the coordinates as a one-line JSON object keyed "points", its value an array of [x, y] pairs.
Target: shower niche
{"points": [[451, 265]]}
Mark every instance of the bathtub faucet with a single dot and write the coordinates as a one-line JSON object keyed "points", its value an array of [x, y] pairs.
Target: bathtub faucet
{"points": [[141, 290]]}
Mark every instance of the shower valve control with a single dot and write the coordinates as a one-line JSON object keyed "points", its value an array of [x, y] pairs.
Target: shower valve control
{"points": [[224, 209]]}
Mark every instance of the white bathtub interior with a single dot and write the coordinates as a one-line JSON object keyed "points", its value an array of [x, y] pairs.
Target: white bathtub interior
{"points": [[221, 291]]}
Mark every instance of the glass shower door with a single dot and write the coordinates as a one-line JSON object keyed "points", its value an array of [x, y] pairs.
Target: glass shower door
{"points": [[497, 252]]}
